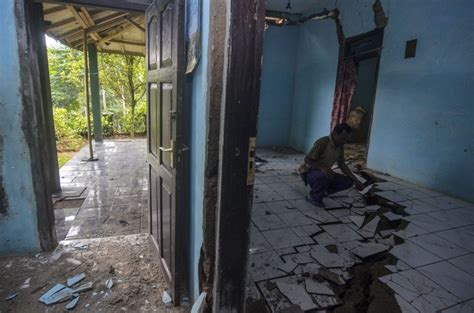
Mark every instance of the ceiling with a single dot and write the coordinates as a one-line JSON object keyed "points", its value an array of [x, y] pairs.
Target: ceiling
{"points": [[112, 31]]}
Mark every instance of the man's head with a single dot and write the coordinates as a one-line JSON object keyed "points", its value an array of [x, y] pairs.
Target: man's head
{"points": [[341, 133]]}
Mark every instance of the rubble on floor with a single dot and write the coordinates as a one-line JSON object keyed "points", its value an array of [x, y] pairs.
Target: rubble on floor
{"points": [[111, 274], [396, 247]]}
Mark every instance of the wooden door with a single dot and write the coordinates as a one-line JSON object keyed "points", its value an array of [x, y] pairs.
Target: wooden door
{"points": [[165, 77]]}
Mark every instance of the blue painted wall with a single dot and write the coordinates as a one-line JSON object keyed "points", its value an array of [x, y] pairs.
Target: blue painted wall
{"points": [[18, 228], [315, 74], [198, 133], [423, 127], [276, 91]]}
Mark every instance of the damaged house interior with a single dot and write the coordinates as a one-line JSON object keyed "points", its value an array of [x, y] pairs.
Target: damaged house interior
{"points": [[300, 156]]}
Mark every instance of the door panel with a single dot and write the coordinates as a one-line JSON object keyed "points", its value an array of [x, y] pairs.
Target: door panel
{"points": [[165, 75]]}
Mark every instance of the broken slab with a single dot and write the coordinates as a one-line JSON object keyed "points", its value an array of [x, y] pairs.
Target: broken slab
{"points": [[316, 287], [288, 266], [368, 249], [342, 258], [357, 220], [297, 294], [75, 279], [368, 231], [327, 302], [392, 217], [341, 232]]}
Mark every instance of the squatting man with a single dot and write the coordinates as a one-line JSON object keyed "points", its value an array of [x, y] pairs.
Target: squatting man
{"points": [[316, 171]]}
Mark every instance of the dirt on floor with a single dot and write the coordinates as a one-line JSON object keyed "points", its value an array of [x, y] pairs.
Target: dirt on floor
{"points": [[138, 283]]}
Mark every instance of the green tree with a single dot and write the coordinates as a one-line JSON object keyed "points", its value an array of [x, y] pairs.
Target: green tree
{"points": [[124, 76], [66, 69]]}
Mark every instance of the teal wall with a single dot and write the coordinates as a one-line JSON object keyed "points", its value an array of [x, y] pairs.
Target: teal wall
{"points": [[422, 127], [18, 227], [276, 90], [198, 133]]}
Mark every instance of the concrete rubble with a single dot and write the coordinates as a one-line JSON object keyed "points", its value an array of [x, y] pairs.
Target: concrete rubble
{"points": [[411, 246]]}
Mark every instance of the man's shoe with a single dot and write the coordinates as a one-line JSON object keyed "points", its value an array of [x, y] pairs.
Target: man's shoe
{"points": [[318, 204]]}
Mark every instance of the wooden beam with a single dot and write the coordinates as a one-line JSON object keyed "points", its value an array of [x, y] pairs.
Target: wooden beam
{"points": [[138, 26], [76, 34], [124, 28], [52, 10], [61, 23], [117, 5], [84, 20], [126, 42]]}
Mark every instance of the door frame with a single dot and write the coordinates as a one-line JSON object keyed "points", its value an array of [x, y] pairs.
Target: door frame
{"points": [[238, 130], [370, 51]]}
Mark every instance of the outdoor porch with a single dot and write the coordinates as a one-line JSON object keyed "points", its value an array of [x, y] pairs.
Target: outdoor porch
{"points": [[107, 197]]}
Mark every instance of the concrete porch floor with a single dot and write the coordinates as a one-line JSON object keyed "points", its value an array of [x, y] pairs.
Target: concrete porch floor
{"points": [[400, 248], [114, 191]]}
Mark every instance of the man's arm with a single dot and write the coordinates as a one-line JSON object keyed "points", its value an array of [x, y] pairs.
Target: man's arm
{"points": [[348, 172]]}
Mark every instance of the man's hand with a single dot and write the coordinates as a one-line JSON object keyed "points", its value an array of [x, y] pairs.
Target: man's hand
{"points": [[358, 184]]}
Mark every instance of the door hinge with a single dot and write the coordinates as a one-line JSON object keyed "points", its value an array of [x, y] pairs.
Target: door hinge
{"points": [[251, 161]]}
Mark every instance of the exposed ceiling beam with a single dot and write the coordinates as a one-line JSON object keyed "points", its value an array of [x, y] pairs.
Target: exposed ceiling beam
{"points": [[138, 26], [53, 10], [61, 23], [76, 37], [112, 22], [127, 42], [122, 5], [84, 20]]}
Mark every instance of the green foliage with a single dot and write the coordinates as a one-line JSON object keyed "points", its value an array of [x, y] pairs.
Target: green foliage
{"points": [[122, 78]]}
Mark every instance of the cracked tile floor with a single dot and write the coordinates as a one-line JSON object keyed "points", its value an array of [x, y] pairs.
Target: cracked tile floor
{"points": [[303, 258], [113, 192]]}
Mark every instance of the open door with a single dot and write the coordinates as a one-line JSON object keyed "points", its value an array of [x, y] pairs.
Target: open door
{"points": [[165, 77]]}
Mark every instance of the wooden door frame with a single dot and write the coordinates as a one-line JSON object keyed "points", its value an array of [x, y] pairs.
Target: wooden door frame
{"points": [[364, 55], [240, 100]]}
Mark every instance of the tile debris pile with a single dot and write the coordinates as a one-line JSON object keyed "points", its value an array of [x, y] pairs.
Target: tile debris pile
{"points": [[305, 257]]}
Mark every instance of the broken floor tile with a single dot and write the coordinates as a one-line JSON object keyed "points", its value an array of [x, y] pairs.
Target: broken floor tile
{"points": [[342, 258], [324, 239], [438, 246], [409, 231], [283, 238], [420, 291], [341, 232], [405, 307], [320, 216], [392, 216], [340, 213], [368, 249], [307, 230], [264, 266], [413, 255], [268, 222], [275, 299], [451, 278], [295, 218], [288, 266], [75, 279], [330, 203], [315, 287], [357, 220], [303, 249], [327, 302], [297, 294], [368, 230], [372, 208], [311, 269]]}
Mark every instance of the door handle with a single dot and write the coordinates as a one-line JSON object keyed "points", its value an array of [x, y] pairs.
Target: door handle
{"points": [[163, 149]]}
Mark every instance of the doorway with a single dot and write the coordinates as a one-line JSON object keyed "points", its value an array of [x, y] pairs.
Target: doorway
{"points": [[365, 51]]}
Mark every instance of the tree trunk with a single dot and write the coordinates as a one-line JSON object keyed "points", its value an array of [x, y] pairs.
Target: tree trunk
{"points": [[132, 122]]}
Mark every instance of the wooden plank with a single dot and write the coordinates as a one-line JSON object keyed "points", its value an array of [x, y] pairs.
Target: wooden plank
{"points": [[117, 5], [84, 20], [127, 42], [61, 23], [53, 10], [238, 125], [138, 26]]}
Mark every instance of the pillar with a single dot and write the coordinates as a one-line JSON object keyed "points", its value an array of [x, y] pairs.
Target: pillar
{"points": [[95, 91]]}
